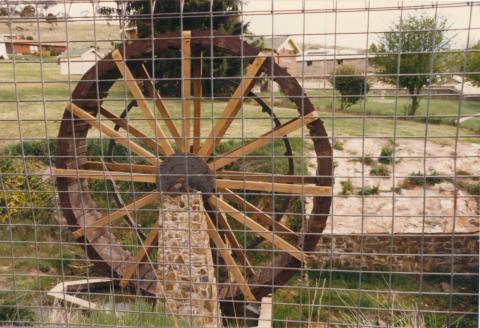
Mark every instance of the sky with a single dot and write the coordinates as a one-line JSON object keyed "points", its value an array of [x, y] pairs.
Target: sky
{"points": [[320, 25]]}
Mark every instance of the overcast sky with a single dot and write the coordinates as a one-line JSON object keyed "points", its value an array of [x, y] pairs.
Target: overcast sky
{"points": [[322, 26]]}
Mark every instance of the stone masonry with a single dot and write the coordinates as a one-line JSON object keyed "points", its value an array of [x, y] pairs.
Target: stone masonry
{"points": [[186, 276]]}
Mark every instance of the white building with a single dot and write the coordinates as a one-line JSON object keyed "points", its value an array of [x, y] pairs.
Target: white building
{"points": [[3, 49], [78, 61]]}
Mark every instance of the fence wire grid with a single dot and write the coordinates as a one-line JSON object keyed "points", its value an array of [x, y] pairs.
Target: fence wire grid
{"points": [[269, 163]]}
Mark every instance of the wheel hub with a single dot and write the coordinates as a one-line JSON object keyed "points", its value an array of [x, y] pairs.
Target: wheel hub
{"points": [[183, 172]]}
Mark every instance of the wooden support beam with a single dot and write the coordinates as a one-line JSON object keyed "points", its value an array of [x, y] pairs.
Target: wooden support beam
{"points": [[257, 228], [102, 175], [121, 167], [159, 104], [111, 217], [164, 145], [237, 249], [108, 131], [231, 265], [197, 104], [146, 248], [186, 89], [123, 123], [265, 177], [263, 140], [257, 214], [231, 109], [286, 188]]}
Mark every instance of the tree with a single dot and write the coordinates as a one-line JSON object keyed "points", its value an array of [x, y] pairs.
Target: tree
{"points": [[51, 19], [473, 64], [351, 84], [28, 12], [409, 51], [225, 19]]}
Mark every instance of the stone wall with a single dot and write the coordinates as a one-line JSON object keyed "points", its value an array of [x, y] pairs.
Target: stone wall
{"points": [[403, 251], [186, 275]]}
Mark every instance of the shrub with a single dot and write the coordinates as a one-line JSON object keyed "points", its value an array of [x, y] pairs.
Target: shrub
{"points": [[347, 187], [26, 192], [386, 156], [337, 145], [473, 188], [419, 179], [380, 170], [370, 190], [351, 84]]}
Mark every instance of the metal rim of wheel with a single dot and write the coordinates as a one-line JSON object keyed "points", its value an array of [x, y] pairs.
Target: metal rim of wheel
{"points": [[91, 225]]}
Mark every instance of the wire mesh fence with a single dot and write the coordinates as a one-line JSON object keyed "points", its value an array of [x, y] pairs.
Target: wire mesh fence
{"points": [[239, 163]]}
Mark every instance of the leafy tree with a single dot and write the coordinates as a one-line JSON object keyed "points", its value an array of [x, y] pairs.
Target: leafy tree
{"points": [[225, 19], [473, 64], [51, 19], [28, 12], [351, 84], [409, 51]]}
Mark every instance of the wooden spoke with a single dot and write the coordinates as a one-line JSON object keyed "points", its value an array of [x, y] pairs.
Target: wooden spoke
{"points": [[146, 248], [102, 175], [92, 121], [153, 93], [236, 247], [257, 214], [197, 104], [297, 189], [164, 145], [111, 217], [186, 90], [121, 167], [257, 228], [232, 108], [265, 139], [123, 123], [231, 265], [265, 177]]}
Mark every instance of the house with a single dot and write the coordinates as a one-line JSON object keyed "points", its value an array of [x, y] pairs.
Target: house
{"points": [[20, 46], [319, 63], [283, 48], [78, 61]]}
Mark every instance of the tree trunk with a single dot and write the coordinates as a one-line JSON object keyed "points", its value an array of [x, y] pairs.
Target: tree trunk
{"points": [[415, 103]]}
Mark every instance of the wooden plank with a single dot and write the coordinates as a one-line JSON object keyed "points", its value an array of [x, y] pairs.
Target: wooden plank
{"points": [[111, 217], [237, 249], [122, 140], [123, 123], [186, 90], [257, 228], [261, 141], [257, 214], [231, 109], [102, 175], [121, 167], [164, 145], [266, 177], [287, 188], [142, 252], [159, 104], [231, 265], [197, 104]]}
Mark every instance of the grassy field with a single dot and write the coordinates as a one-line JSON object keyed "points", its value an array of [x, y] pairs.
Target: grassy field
{"points": [[32, 100]]}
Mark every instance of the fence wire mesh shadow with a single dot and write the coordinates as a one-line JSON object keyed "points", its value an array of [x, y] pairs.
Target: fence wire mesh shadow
{"points": [[239, 163]]}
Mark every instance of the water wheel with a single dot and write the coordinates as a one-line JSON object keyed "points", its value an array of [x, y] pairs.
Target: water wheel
{"points": [[153, 164]]}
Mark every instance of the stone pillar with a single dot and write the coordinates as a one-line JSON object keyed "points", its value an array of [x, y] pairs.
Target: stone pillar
{"points": [[186, 276]]}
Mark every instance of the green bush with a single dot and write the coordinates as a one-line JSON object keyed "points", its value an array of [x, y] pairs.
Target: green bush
{"points": [[380, 171], [351, 84], [419, 179], [347, 187], [26, 196], [473, 188], [370, 190], [386, 156]]}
